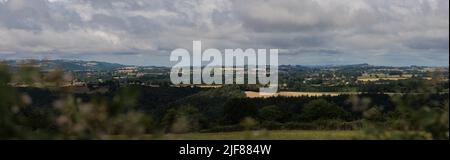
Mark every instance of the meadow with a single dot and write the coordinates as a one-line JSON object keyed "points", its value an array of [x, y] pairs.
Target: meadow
{"points": [[364, 134], [258, 135]]}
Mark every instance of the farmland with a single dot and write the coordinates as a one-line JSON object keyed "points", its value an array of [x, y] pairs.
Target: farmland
{"points": [[251, 94], [273, 135], [312, 103], [260, 135]]}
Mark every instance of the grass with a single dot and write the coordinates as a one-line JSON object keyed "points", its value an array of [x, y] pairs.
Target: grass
{"points": [[282, 135], [263, 135]]}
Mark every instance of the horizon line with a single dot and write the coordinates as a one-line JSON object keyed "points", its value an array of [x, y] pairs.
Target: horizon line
{"points": [[305, 65]]}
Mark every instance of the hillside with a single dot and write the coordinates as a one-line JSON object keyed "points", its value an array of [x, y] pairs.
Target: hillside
{"points": [[66, 65]]}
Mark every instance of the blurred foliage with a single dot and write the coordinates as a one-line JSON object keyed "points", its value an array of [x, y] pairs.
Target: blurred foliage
{"points": [[183, 120], [410, 120], [70, 118]]}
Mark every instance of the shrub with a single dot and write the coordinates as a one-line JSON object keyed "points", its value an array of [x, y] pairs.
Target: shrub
{"points": [[323, 110]]}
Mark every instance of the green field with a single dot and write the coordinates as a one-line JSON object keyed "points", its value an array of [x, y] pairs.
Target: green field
{"points": [[263, 135]]}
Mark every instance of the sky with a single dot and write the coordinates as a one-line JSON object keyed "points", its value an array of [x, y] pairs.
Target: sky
{"points": [[307, 32]]}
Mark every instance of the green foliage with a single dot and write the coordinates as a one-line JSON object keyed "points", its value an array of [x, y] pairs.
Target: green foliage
{"points": [[248, 123], [431, 119], [183, 119], [323, 110], [92, 120], [238, 109], [14, 124], [42, 109], [7, 123], [271, 113], [227, 91], [413, 120], [374, 114], [125, 100], [211, 102], [68, 117]]}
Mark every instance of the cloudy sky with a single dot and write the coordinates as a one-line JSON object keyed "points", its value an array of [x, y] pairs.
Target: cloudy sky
{"points": [[307, 32]]}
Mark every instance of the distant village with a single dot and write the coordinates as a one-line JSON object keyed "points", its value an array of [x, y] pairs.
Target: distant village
{"points": [[89, 76]]}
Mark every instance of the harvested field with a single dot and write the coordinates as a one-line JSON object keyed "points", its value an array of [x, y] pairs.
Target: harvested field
{"points": [[251, 94]]}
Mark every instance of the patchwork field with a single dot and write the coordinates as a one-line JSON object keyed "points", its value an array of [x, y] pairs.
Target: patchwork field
{"points": [[380, 79], [251, 94]]}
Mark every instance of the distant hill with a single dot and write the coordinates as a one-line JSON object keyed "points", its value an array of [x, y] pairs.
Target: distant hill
{"points": [[67, 65]]}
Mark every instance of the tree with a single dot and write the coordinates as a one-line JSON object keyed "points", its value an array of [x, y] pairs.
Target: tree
{"points": [[323, 110], [238, 109], [271, 113], [184, 119]]}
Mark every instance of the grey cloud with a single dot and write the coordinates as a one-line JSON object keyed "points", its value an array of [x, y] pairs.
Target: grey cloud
{"points": [[426, 44], [322, 52], [347, 31]]}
